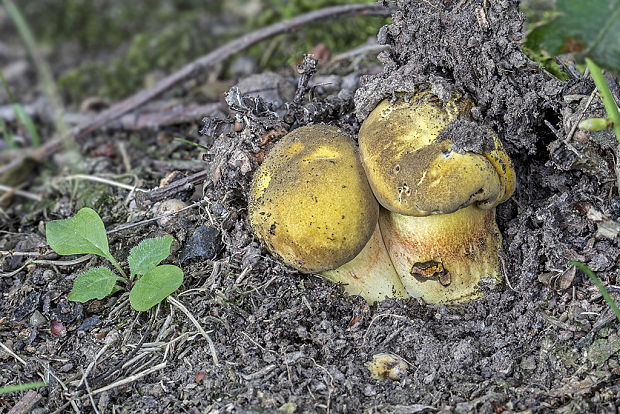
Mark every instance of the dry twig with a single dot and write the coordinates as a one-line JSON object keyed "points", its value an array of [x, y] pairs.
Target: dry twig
{"points": [[26, 403], [198, 66]]}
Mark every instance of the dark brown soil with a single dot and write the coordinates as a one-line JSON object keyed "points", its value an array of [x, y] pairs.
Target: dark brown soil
{"points": [[544, 341]]}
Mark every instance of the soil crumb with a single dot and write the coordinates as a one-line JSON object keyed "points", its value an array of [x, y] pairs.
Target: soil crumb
{"points": [[471, 46]]}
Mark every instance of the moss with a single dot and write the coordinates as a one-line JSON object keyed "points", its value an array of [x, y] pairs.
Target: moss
{"points": [[602, 349], [125, 74], [119, 43], [96, 196], [105, 23]]}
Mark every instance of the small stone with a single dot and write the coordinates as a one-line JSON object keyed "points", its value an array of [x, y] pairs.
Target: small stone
{"points": [[369, 391], [37, 319], [88, 323], [204, 244], [167, 207], [57, 328]]}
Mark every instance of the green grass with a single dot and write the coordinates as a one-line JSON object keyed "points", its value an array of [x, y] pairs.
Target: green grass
{"points": [[21, 116], [22, 387], [597, 282], [608, 100], [8, 137]]}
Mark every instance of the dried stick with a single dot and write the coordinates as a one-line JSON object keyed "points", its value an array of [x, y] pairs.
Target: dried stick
{"points": [[130, 379], [200, 65], [145, 199], [153, 119], [220, 54], [25, 404], [306, 70]]}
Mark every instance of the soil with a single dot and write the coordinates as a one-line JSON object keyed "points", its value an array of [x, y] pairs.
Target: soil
{"points": [[278, 341]]}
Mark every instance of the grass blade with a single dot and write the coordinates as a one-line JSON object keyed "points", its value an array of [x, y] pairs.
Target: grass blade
{"points": [[22, 387], [608, 99], [597, 282], [195, 144], [8, 137], [26, 120]]}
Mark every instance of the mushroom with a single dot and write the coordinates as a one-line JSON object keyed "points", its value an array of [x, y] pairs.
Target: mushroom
{"points": [[311, 204], [438, 221], [387, 366]]}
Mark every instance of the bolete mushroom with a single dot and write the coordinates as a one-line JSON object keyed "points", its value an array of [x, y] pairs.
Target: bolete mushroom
{"points": [[438, 221], [311, 204]]}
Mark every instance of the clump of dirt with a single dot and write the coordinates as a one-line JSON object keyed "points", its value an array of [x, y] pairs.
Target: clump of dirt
{"points": [[467, 46], [468, 136]]}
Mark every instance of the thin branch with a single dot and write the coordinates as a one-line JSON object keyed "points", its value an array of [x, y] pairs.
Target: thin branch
{"points": [[142, 222], [197, 325], [28, 401], [224, 52], [129, 379], [148, 198], [21, 193], [173, 114], [104, 376], [105, 181], [198, 66], [13, 354]]}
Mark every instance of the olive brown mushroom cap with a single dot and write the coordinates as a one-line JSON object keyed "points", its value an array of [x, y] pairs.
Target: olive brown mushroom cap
{"points": [[413, 173], [310, 201], [438, 224]]}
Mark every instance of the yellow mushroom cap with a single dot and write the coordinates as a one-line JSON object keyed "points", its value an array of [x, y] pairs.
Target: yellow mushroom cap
{"points": [[413, 173], [310, 201]]}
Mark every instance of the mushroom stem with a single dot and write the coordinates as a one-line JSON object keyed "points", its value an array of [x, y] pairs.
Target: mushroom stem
{"points": [[370, 274], [442, 257]]}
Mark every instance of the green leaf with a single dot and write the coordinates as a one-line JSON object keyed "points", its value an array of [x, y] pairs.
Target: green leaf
{"points": [[148, 254], [95, 283], [83, 233], [590, 28], [155, 286]]}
